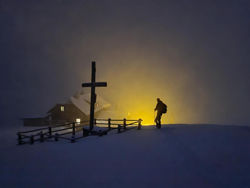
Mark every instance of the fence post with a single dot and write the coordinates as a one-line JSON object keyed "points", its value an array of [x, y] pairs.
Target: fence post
{"points": [[31, 139], [73, 128], [85, 132], [119, 128], [109, 123], [124, 124], [41, 136], [50, 132], [19, 138], [139, 124], [72, 139], [56, 137]]}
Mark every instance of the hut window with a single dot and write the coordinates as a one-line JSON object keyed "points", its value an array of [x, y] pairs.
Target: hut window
{"points": [[78, 120], [62, 108]]}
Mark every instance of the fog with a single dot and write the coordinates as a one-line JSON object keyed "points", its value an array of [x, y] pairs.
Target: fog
{"points": [[193, 55]]}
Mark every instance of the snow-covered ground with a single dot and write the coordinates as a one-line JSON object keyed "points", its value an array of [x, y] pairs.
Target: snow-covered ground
{"points": [[174, 156]]}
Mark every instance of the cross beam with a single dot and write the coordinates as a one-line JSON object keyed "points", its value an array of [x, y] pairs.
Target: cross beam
{"points": [[93, 85], [96, 84]]}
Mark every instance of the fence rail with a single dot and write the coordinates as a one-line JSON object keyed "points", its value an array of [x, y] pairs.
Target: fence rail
{"points": [[59, 131]]}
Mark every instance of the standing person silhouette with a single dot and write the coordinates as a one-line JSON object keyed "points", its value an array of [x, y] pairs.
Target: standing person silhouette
{"points": [[160, 108]]}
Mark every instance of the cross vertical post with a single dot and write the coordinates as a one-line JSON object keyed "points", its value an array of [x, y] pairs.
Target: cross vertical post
{"points": [[93, 85], [93, 98]]}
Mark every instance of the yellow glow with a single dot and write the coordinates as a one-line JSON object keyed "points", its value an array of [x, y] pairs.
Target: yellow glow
{"points": [[134, 87], [145, 111], [139, 107]]}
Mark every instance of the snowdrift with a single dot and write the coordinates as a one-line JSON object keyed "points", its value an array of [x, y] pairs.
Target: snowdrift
{"points": [[174, 156]]}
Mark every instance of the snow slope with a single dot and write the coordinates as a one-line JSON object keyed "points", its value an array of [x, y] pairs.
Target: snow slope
{"points": [[174, 156]]}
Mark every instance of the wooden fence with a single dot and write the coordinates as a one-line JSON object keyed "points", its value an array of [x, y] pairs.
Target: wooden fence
{"points": [[120, 125], [74, 131]]}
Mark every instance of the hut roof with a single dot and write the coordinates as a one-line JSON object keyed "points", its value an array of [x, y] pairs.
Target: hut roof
{"points": [[82, 101]]}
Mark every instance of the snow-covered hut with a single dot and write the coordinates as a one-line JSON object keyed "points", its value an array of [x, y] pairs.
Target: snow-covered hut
{"points": [[77, 109]]}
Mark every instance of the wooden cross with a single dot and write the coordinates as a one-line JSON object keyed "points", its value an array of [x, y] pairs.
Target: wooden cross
{"points": [[93, 85]]}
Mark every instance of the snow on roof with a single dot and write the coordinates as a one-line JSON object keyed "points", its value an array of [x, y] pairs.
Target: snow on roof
{"points": [[82, 101]]}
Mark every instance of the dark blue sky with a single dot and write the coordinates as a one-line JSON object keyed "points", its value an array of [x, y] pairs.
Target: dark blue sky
{"points": [[196, 53]]}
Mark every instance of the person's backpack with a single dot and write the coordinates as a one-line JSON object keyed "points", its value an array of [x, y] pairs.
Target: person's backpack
{"points": [[164, 108]]}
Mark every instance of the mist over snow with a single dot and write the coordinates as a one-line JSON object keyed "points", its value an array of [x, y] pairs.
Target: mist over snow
{"points": [[192, 54]]}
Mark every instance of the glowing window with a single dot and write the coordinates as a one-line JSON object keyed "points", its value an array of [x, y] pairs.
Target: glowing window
{"points": [[62, 108], [78, 120]]}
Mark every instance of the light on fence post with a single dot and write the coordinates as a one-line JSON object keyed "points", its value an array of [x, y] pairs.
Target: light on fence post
{"points": [[78, 121]]}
